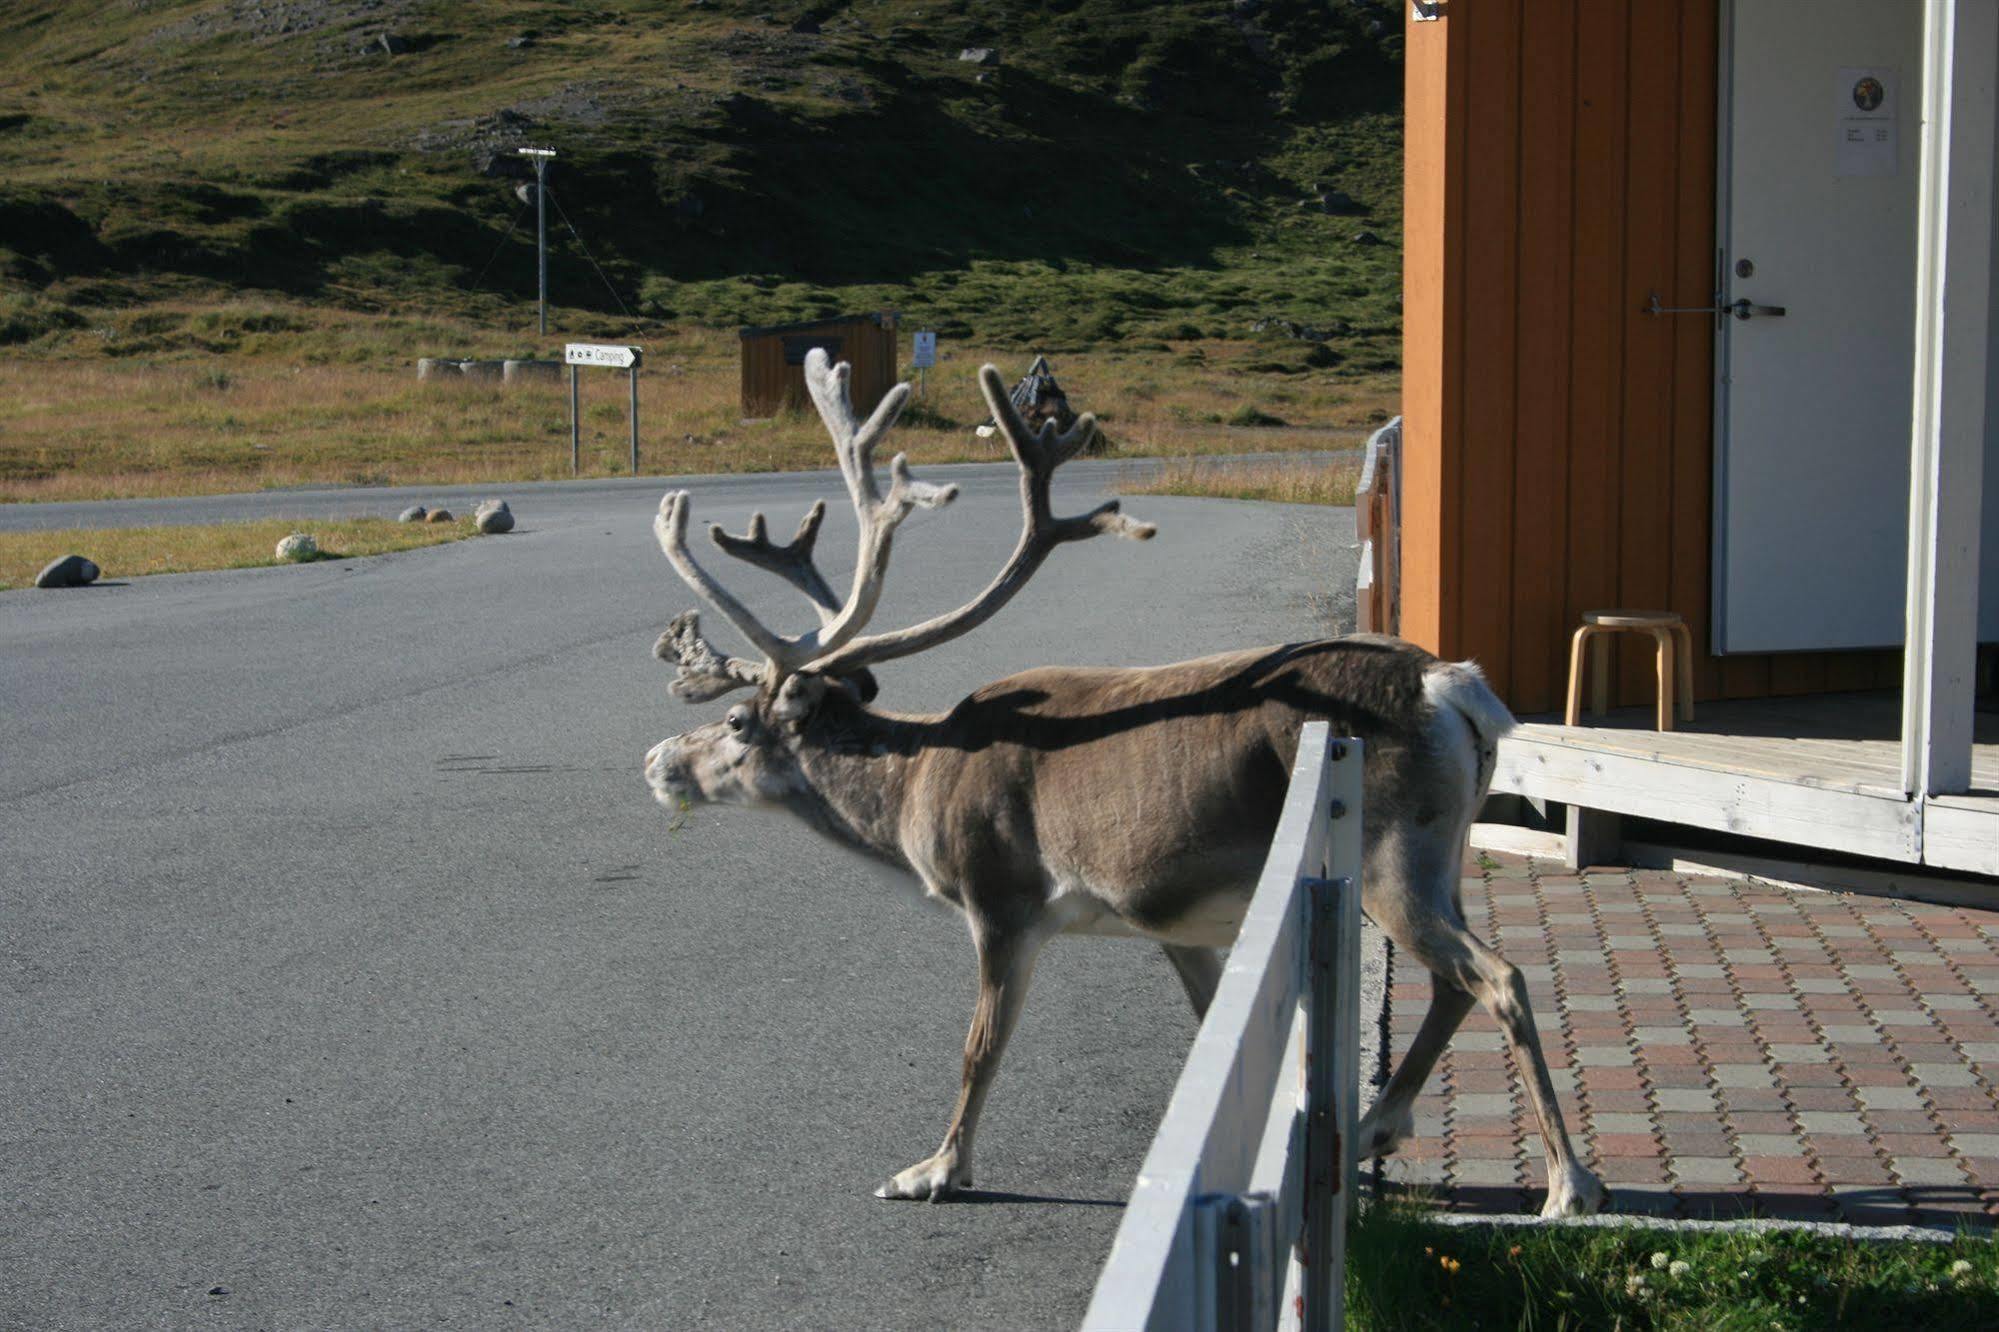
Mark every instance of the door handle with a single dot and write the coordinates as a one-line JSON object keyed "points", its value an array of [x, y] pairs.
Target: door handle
{"points": [[1742, 309], [1747, 309]]}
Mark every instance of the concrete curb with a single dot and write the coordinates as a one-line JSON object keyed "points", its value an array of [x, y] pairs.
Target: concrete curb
{"points": [[1751, 1225]]}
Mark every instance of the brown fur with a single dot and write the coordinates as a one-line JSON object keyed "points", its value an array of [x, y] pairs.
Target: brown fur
{"points": [[1138, 801]]}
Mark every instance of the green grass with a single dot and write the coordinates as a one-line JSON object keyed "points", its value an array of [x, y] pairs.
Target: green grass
{"points": [[129, 552], [1408, 1272], [1140, 171]]}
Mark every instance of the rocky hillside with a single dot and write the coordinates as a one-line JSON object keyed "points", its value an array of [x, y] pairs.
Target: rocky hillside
{"points": [[1072, 170]]}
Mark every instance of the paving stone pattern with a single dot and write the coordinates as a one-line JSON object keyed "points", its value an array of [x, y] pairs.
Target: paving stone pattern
{"points": [[1722, 1049]]}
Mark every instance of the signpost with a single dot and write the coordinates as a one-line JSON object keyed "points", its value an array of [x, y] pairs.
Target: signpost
{"points": [[923, 356], [612, 356]]}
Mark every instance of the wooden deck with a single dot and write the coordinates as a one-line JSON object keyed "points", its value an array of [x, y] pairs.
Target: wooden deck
{"points": [[1820, 771]]}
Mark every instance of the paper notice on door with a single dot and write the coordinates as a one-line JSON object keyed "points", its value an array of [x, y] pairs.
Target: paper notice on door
{"points": [[1864, 112]]}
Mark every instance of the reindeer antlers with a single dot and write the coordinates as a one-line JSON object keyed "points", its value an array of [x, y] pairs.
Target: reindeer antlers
{"points": [[879, 515], [791, 562], [835, 646]]}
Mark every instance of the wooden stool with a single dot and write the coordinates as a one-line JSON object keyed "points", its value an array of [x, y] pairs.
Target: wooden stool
{"points": [[1667, 630]]}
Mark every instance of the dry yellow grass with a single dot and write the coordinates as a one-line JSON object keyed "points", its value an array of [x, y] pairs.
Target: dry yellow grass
{"points": [[107, 427], [1300, 481], [127, 552]]}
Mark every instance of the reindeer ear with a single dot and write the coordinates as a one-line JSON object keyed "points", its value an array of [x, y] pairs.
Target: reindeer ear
{"points": [[861, 684]]}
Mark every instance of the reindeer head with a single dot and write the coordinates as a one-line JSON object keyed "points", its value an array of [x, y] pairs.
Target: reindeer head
{"points": [[756, 753]]}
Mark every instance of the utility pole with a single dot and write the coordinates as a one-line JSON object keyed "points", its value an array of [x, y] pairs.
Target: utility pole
{"points": [[540, 157]]}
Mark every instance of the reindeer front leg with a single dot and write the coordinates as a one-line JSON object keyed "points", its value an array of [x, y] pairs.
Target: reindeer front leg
{"points": [[1006, 965]]}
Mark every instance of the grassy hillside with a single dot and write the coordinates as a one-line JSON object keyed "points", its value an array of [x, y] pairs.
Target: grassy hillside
{"points": [[1144, 171]]}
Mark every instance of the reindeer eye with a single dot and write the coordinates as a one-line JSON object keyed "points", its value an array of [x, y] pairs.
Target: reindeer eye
{"points": [[735, 721]]}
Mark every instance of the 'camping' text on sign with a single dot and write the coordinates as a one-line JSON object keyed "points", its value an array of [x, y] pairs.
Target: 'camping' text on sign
{"points": [[597, 353]]}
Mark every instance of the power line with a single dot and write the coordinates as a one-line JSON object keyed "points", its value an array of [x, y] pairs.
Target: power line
{"points": [[632, 318], [511, 228]]}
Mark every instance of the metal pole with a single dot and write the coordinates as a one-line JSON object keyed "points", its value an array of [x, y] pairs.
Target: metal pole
{"points": [[635, 419], [541, 236], [574, 449]]}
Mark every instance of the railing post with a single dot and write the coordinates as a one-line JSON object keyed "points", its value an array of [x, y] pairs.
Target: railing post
{"points": [[1332, 1064]]}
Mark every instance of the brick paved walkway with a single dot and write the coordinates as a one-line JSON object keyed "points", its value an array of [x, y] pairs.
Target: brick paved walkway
{"points": [[1723, 1049]]}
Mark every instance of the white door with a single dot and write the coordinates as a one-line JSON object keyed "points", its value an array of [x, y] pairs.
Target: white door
{"points": [[1819, 141]]}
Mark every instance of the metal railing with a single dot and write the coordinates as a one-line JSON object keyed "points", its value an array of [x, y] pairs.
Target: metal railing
{"points": [[1238, 1219]]}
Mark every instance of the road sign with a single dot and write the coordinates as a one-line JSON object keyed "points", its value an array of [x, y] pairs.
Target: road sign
{"points": [[925, 354], [598, 353]]}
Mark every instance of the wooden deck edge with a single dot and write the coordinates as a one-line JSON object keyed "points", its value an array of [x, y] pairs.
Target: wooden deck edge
{"points": [[1746, 804], [1520, 841], [1915, 884], [1960, 836]]}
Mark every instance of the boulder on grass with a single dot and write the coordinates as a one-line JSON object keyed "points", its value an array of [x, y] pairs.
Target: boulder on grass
{"points": [[439, 516], [493, 517], [298, 548], [69, 571], [415, 513]]}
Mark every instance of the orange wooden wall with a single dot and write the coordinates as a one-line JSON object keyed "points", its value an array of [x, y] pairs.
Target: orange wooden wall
{"points": [[1558, 444]]}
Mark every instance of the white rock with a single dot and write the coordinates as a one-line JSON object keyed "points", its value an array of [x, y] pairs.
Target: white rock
{"points": [[298, 548], [493, 517]]}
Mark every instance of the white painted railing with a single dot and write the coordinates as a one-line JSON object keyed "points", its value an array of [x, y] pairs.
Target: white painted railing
{"points": [[1238, 1220], [1377, 516]]}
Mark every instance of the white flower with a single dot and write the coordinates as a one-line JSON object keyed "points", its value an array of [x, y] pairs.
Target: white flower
{"points": [[1680, 1267], [1634, 1284], [1659, 1261], [1960, 1268]]}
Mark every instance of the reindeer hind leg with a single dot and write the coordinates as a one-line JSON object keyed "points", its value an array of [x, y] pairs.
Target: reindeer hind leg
{"points": [[1200, 971]]}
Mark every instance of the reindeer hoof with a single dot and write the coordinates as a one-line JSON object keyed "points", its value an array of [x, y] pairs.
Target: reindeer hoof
{"points": [[1380, 1136], [927, 1181], [1577, 1193]]}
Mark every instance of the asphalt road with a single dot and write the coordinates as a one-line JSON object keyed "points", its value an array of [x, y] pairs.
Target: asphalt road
{"points": [[353, 978]]}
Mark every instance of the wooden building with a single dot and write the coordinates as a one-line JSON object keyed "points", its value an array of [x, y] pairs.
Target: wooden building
{"points": [[774, 360], [1677, 338]]}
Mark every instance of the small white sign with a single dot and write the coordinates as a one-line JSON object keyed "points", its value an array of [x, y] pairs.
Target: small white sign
{"points": [[598, 353], [925, 353], [1864, 116]]}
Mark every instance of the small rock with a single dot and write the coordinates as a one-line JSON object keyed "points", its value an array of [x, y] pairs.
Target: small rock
{"points": [[520, 43], [1366, 238], [1338, 201], [493, 517], [298, 548], [415, 513], [69, 571], [979, 55], [1322, 357], [439, 516], [218, 1290]]}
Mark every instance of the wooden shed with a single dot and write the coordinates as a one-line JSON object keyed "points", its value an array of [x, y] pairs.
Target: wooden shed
{"points": [[1676, 339], [774, 360]]}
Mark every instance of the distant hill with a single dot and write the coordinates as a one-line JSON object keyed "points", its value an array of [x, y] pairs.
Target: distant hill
{"points": [[1111, 169]]}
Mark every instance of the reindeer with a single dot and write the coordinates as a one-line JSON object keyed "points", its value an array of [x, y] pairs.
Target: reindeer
{"points": [[1133, 802]]}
